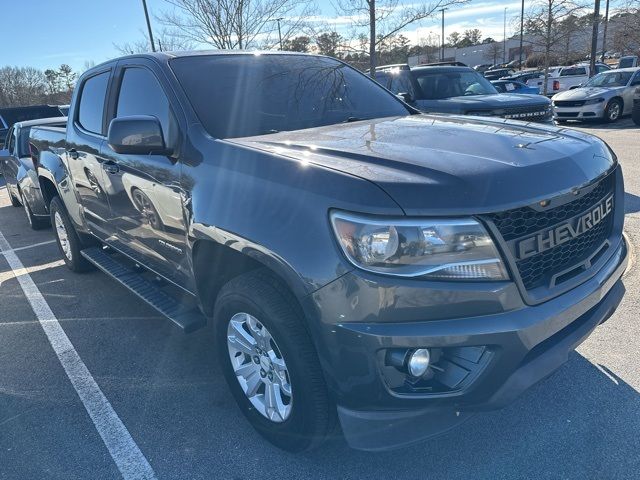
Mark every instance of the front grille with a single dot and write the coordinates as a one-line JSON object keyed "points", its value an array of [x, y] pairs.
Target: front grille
{"points": [[567, 114], [569, 103], [535, 112], [522, 223]]}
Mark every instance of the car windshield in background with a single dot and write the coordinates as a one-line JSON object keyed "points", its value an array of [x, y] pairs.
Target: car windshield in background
{"points": [[610, 79], [439, 85], [247, 95]]}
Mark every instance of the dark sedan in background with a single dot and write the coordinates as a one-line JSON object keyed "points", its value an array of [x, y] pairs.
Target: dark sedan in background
{"points": [[460, 90], [20, 173], [11, 115]]}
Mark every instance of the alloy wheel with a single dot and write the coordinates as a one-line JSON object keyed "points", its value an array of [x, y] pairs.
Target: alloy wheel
{"points": [[259, 367], [62, 235]]}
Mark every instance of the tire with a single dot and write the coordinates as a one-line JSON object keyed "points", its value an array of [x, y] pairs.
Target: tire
{"points": [[14, 201], [636, 113], [613, 111], [311, 415], [36, 223], [71, 244]]}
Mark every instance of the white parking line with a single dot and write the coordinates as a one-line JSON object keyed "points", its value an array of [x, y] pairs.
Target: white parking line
{"points": [[124, 451], [26, 247]]}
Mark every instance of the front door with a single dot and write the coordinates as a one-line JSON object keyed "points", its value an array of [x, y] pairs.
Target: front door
{"points": [[147, 203]]}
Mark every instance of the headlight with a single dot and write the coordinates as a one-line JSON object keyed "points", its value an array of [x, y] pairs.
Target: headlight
{"points": [[439, 249], [593, 101]]}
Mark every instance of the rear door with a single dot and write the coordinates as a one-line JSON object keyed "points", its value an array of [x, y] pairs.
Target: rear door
{"points": [[147, 202], [85, 137]]}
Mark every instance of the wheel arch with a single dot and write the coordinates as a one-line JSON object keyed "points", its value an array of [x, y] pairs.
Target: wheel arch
{"points": [[215, 264]]}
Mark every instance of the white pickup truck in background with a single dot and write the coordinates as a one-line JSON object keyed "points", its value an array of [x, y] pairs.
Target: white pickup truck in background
{"points": [[563, 78]]}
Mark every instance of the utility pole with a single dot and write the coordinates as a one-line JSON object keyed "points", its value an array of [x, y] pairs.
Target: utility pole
{"points": [[504, 38], [522, 32], [146, 15], [594, 39], [279, 31], [442, 39], [604, 34]]}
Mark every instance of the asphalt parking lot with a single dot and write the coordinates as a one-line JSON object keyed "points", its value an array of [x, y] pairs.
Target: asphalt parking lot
{"points": [[167, 392]]}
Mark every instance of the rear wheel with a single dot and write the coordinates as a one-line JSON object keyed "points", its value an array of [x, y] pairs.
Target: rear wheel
{"points": [[14, 201], [270, 363], [67, 238], [613, 111], [36, 223]]}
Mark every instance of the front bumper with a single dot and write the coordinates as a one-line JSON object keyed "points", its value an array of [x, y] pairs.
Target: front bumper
{"points": [[527, 344], [584, 112]]}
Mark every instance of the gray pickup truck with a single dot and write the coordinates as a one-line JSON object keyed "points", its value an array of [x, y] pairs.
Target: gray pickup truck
{"points": [[360, 262]]}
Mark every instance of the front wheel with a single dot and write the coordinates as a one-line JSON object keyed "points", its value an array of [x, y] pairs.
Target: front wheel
{"points": [[67, 238], [270, 363], [613, 111]]}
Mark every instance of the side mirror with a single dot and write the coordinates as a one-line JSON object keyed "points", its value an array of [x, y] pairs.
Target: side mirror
{"points": [[405, 97], [137, 135]]}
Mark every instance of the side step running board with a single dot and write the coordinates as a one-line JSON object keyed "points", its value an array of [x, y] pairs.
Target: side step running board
{"points": [[187, 318]]}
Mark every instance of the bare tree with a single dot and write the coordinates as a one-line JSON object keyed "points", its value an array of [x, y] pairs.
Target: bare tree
{"points": [[21, 86], [386, 18], [232, 24], [544, 21], [626, 34], [493, 52], [165, 42]]}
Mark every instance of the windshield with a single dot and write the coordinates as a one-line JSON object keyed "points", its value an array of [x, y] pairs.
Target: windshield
{"points": [[610, 79], [439, 85], [247, 95]]}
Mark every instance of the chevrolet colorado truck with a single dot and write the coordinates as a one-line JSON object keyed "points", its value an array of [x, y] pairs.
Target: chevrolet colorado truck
{"points": [[360, 262]]}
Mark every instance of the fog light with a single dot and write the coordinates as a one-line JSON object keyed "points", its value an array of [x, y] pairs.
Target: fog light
{"points": [[418, 363]]}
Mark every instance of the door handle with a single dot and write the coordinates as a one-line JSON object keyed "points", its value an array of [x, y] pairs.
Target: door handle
{"points": [[73, 153], [110, 167]]}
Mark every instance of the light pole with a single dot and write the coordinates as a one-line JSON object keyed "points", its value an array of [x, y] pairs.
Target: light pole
{"points": [[522, 32], [594, 39], [146, 15], [604, 34], [442, 39], [279, 31], [504, 38]]}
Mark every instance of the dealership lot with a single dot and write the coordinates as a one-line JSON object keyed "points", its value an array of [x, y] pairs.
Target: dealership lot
{"points": [[167, 390]]}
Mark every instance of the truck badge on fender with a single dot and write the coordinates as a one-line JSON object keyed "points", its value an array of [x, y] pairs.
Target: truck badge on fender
{"points": [[564, 232]]}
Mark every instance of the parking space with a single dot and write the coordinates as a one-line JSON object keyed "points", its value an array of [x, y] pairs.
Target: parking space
{"points": [[167, 390]]}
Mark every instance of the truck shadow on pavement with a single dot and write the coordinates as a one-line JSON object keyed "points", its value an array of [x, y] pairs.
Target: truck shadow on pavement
{"points": [[582, 422], [631, 203]]}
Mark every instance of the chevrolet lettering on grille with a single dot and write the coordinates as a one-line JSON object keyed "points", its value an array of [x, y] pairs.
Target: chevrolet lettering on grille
{"points": [[564, 232]]}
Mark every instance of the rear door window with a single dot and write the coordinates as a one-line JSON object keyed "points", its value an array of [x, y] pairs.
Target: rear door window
{"points": [[401, 83], [571, 72], [92, 101]]}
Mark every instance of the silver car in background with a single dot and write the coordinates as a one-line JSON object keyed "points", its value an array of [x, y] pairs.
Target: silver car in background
{"points": [[608, 96]]}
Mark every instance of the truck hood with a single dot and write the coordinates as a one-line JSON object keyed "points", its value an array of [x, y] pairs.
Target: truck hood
{"points": [[437, 164], [473, 103], [586, 93]]}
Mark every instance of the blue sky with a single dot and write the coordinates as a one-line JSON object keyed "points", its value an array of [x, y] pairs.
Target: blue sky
{"points": [[77, 31]]}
